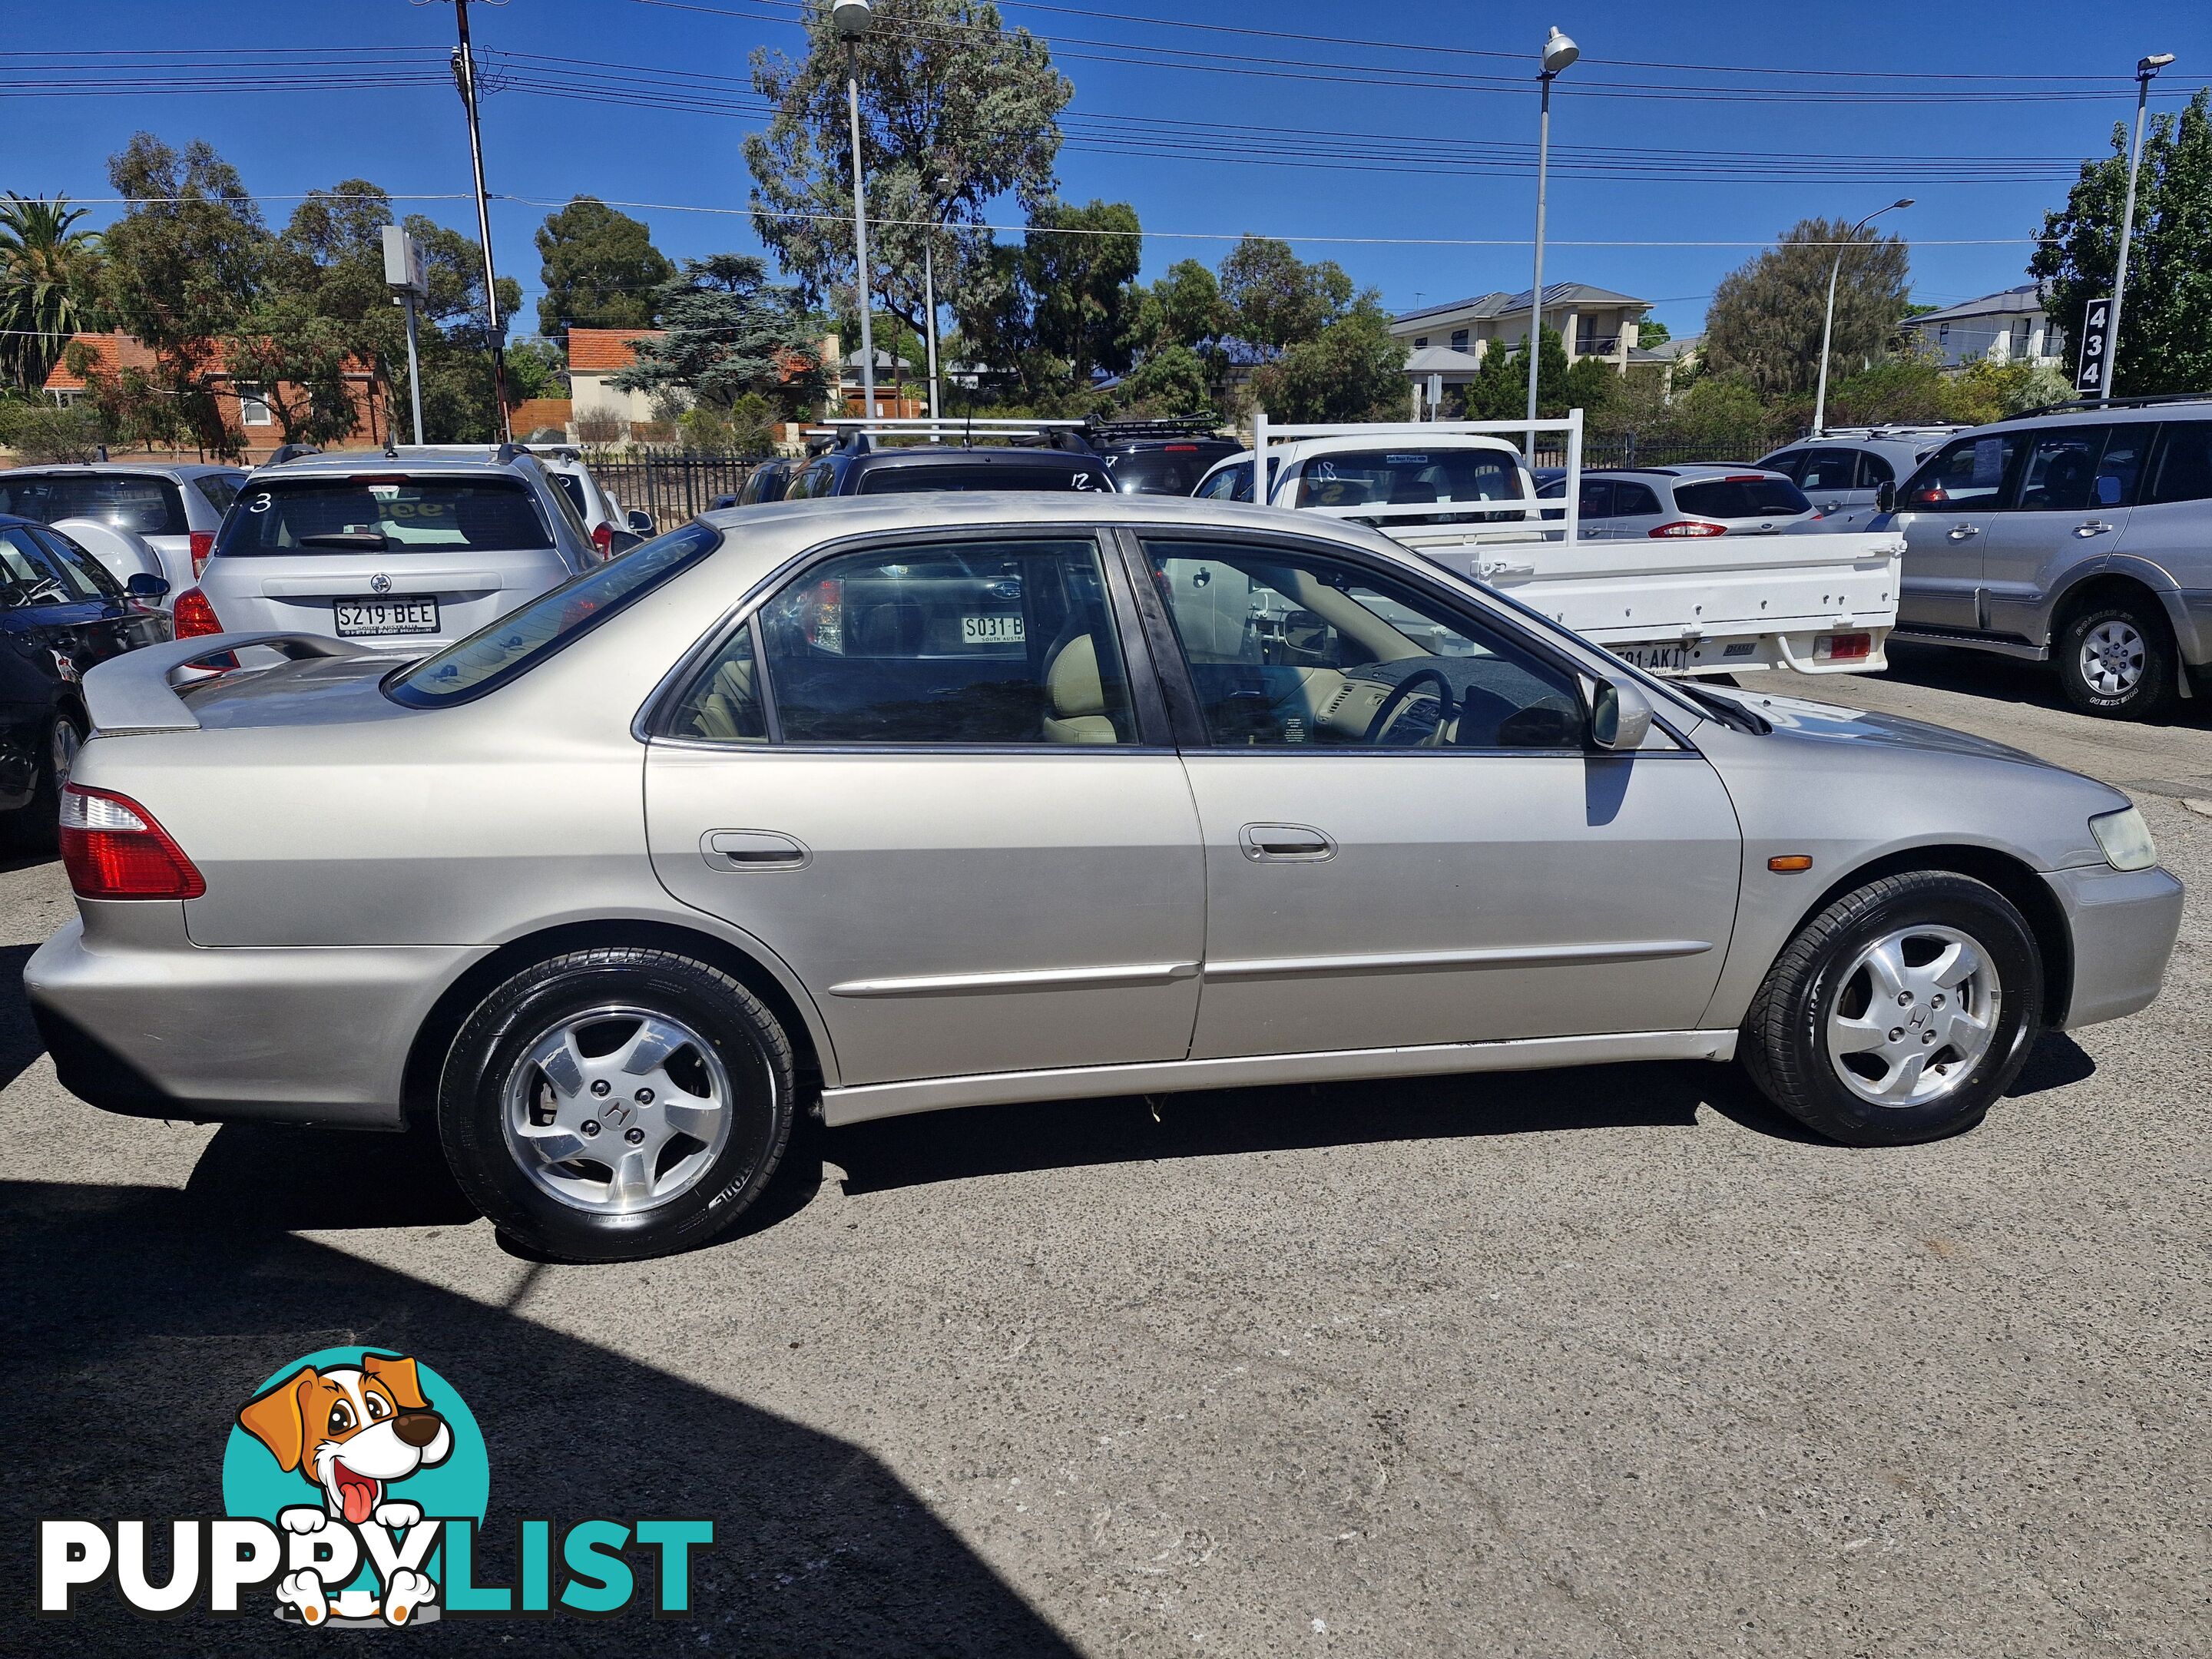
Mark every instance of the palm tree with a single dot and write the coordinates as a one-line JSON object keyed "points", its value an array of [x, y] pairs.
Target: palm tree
{"points": [[44, 266]]}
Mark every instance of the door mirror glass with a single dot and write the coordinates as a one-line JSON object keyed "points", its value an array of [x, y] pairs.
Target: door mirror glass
{"points": [[1621, 719], [2109, 490], [641, 521], [146, 585], [1884, 497]]}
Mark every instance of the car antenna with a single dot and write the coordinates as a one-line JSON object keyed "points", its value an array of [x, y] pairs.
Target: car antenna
{"points": [[390, 447]]}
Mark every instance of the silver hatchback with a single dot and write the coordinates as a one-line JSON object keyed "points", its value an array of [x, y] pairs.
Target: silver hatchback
{"points": [[881, 805], [404, 551]]}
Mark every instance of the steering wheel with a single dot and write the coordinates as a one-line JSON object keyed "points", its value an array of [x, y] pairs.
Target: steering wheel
{"points": [[1387, 714]]}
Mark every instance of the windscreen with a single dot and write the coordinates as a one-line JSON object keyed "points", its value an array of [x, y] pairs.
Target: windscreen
{"points": [[396, 515], [148, 505], [903, 480], [1741, 498], [1171, 471], [492, 656], [1403, 477]]}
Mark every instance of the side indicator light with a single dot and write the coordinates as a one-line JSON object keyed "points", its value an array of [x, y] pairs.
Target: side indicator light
{"points": [[1790, 864]]}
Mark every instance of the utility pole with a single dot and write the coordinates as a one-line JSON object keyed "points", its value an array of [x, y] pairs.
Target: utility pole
{"points": [[851, 19], [465, 77], [2146, 69], [1828, 328], [1559, 53]]}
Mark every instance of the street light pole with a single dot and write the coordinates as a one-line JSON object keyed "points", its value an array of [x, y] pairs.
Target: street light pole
{"points": [[851, 19], [1828, 328], [2146, 69], [465, 73], [1558, 53]]}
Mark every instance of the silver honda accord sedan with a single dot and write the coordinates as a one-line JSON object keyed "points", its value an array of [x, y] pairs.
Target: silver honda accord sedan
{"points": [[880, 806]]}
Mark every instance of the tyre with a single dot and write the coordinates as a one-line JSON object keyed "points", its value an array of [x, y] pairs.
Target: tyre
{"points": [[2117, 660], [1899, 1013], [36, 826], [615, 1103]]}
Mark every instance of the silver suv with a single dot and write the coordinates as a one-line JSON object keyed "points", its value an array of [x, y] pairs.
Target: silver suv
{"points": [[1716, 499], [2080, 535], [402, 550], [1842, 470], [176, 509]]}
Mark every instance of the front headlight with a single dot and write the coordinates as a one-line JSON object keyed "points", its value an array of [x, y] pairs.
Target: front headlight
{"points": [[2125, 838]]}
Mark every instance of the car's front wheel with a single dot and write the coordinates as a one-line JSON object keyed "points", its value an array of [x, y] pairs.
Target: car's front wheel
{"points": [[1900, 1012], [614, 1103]]}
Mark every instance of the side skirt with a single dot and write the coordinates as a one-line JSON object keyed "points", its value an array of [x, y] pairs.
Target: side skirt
{"points": [[859, 1103]]}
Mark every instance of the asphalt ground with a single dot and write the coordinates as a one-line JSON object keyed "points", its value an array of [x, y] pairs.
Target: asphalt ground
{"points": [[1593, 1362]]}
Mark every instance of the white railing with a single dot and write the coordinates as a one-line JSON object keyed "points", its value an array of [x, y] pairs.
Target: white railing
{"points": [[1412, 431]]}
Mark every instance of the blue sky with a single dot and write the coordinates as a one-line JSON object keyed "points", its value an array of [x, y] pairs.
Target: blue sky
{"points": [[409, 137]]}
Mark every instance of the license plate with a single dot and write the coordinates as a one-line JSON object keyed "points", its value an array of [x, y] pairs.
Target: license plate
{"points": [[1654, 659], [991, 630], [357, 617]]}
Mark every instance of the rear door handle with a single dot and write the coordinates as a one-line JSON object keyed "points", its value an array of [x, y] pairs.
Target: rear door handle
{"points": [[752, 849], [1285, 842], [1961, 532]]}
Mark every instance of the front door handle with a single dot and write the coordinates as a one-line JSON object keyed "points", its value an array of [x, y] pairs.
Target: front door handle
{"points": [[1961, 532], [752, 849], [1298, 843], [2089, 527]]}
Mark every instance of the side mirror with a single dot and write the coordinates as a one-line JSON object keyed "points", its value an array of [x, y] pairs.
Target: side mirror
{"points": [[640, 522], [2108, 491], [1884, 497], [621, 542], [147, 587], [1620, 717]]}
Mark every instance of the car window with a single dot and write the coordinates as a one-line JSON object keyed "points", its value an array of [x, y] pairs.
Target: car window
{"points": [[1746, 498], [2120, 466], [85, 575], [219, 489], [1873, 470], [1042, 475], [29, 573], [1967, 476], [1788, 462], [1411, 478], [396, 515], [1231, 483], [568, 502], [149, 506], [572, 491], [1157, 471], [492, 655], [2060, 470], [2185, 464], [1826, 469], [960, 643], [815, 481], [1632, 500], [1596, 498], [723, 703], [1292, 649]]}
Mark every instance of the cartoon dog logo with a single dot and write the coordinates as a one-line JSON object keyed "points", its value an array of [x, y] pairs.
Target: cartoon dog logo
{"points": [[353, 1431]]}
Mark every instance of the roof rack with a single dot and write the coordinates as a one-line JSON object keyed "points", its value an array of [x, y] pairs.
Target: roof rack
{"points": [[1205, 424], [864, 436], [2078, 404]]}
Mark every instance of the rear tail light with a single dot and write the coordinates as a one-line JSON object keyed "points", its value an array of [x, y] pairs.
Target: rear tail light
{"points": [[603, 537], [193, 616], [1843, 648], [1689, 527], [203, 550], [114, 849]]}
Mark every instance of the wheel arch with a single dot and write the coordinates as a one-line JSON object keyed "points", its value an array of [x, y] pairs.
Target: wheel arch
{"points": [[2113, 586], [434, 1037], [2014, 878]]}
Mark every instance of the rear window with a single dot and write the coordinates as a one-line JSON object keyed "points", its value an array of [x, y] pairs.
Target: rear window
{"points": [[221, 488], [1741, 498], [149, 506], [492, 656], [1403, 477], [572, 487], [902, 480], [298, 516]]}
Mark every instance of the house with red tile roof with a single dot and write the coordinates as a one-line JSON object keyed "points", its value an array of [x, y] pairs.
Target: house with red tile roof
{"points": [[595, 355], [245, 404]]}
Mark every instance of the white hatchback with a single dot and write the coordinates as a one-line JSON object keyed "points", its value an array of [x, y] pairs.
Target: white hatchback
{"points": [[403, 555]]}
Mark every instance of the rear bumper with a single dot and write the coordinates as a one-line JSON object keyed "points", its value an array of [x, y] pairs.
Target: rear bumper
{"points": [[2123, 924], [151, 1026]]}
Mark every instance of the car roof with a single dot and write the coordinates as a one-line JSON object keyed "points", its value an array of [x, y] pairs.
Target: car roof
{"points": [[475, 460], [2191, 410], [1301, 449], [129, 469], [1688, 472]]}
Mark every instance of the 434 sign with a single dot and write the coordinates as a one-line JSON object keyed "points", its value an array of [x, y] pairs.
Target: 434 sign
{"points": [[2096, 347]]}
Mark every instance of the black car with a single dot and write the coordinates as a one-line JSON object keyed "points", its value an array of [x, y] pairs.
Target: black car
{"points": [[61, 612], [1160, 458], [1044, 457], [766, 482]]}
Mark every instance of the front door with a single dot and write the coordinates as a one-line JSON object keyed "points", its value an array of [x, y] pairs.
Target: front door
{"points": [[1945, 514], [918, 776], [1406, 841], [2077, 489]]}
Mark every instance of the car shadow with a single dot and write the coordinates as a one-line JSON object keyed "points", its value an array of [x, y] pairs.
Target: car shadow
{"points": [[19, 1036], [142, 1318], [2057, 1062], [2006, 679]]}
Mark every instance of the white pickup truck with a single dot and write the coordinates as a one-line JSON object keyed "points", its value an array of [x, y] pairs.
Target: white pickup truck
{"points": [[1458, 493]]}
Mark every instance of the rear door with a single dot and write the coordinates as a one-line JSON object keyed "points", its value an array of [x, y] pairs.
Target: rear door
{"points": [[1830, 478], [1945, 511], [2169, 532], [404, 562]]}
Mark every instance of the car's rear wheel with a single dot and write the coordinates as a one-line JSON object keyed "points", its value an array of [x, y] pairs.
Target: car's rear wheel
{"points": [[2116, 660], [1900, 1012], [36, 828], [614, 1103]]}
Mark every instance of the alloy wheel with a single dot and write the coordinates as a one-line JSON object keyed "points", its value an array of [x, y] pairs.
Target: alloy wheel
{"points": [[2112, 656], [1914, 1014], [618, 1110]]}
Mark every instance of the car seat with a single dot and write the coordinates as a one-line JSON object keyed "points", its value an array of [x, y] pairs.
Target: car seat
{"points": [[1077, 694]]}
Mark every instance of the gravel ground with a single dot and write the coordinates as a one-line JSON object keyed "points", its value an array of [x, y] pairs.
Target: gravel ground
{"points": [[1606, 1362]]}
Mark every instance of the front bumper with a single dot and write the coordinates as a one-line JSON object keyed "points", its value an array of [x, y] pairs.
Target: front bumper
{"points": [[2123, 924], [142, 1022]]}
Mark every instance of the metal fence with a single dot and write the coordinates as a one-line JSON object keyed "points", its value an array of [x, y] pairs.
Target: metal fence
{"points": [[674, 485], [1625, 450]]}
